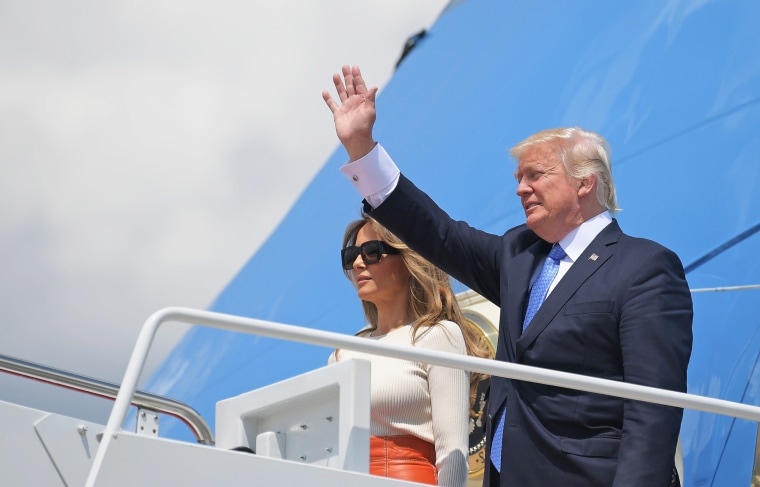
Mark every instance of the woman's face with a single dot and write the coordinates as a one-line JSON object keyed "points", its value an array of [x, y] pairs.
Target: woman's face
{"points": [[385, 283]]}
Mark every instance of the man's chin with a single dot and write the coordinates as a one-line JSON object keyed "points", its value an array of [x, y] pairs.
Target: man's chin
{"points": [[539, 229], [533, 223]]}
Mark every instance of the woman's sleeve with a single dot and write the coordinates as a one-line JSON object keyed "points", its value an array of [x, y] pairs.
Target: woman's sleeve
{"points": [[450, 406]]}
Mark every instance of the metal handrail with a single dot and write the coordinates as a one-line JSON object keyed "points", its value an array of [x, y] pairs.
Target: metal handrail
{"points": [[108, 390], [342, 341], [746, 287]]}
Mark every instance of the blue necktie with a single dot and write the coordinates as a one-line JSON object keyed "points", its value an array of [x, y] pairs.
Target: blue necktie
{"points": [[537, 296], [541, 286]]}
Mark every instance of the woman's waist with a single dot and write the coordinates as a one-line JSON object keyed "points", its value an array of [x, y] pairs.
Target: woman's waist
{"points": [[407, 447], [382, 429]]}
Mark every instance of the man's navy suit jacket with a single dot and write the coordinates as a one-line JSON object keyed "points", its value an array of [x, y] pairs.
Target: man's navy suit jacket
{"points": [[623, 311]]}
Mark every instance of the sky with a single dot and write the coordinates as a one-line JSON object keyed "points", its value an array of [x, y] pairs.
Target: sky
{"points": [[147, 149]]}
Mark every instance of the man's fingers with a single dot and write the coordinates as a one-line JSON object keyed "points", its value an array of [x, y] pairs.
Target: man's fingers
{"points": [[359, 85], [350, 88], [371, 94], [347, 81], [339, 87], [348, 85], [330, 102]]}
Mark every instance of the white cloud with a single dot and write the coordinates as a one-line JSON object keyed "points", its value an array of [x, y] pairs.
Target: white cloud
{"points": [[147, 148]]}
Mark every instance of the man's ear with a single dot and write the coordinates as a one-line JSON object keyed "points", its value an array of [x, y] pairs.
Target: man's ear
{"points": [[587, 185]]}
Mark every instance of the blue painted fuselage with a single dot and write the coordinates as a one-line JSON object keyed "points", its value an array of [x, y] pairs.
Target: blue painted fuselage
{"points": [[673, 86]]}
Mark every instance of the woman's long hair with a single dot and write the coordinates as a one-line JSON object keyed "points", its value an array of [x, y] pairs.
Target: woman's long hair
{"points": [[431, 297]]}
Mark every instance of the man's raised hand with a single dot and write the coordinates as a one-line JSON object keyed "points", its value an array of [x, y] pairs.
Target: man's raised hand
{"points": [[355, 115]]}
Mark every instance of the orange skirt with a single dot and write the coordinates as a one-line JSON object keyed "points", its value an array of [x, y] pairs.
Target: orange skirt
{"points": [[403, 457]]}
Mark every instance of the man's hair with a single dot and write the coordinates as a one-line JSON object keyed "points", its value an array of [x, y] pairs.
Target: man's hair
{"points": [[583, 153]]}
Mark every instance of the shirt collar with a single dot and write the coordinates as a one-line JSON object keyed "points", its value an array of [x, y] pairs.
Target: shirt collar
{"points": [[575, 242]]}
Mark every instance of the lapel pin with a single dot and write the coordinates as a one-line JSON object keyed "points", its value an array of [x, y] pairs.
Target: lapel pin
{"points": [[593, 257]]}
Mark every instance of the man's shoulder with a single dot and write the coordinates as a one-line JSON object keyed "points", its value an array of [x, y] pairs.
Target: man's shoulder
{"points": [[643, 243], [613, 230], [656, 253]]}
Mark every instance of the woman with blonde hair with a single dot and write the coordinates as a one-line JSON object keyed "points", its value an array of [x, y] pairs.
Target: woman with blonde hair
{"points": [[419, 412]]}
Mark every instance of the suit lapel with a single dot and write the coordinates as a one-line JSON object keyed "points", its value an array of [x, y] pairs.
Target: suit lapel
{"points": [[595, 255]]}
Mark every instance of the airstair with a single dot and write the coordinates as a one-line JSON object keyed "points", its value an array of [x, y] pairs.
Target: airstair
{"points": [[312, 429]]}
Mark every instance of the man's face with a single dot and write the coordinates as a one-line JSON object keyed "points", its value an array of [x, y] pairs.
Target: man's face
{"points": [[549, 198]]}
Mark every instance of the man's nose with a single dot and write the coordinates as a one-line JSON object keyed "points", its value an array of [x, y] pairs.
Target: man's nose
{"points": [[522, 187]]}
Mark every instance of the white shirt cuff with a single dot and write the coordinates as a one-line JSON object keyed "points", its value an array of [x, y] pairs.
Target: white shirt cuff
{"points": [[374, 176]]}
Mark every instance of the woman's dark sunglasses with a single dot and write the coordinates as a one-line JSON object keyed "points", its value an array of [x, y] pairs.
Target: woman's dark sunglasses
{"points": [[371, 252]]}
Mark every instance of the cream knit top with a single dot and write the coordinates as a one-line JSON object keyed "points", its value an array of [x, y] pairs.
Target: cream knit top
{"points": [[427, 401]]}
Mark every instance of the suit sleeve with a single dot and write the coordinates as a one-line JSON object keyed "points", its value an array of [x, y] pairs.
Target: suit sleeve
{"points": [[471, 256], [655, 340]]}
